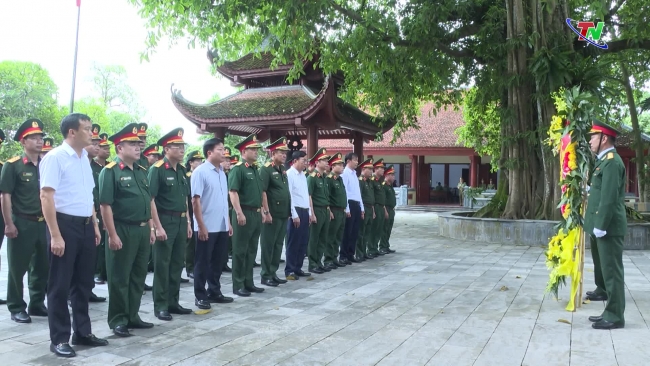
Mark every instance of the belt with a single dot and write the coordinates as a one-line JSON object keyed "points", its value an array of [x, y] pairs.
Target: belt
{"points": [[355, 202], [301, 209], [132, 223], [368, 204], [333, 208], [325, 207], [172, 213], [37, 218], [84, 220], [380, 204], [250, 208]]}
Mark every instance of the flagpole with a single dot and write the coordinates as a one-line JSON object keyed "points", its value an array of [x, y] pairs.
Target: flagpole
{"points": [[76, 50]]}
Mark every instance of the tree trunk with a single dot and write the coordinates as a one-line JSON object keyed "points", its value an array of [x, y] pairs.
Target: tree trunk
{"points": [[641, 180]]}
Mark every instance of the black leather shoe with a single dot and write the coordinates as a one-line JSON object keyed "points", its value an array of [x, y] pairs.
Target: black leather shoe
{"points": [[380, 253], [254, 289], [282, 261], [226, 269], [121, 331], [595, 319], [331, 266], [3, 302], [147, 287], [190, 275], [95, 298], [368, 256], [99, 280], [355, 260], [163, 315], [39, 311], [390, 250], [21, 317], [185, 280], [607, 325], [324, 268], [292, 276], [300, 273], [140, 325], [345, 262], [267, 282], [219, 299], [242, 292], [316, 270], [202, 304], [62, 350], [383, 251], [339, 264], [90, 340], [179, 310], [279, 280], [256, 264], [597, 297]]}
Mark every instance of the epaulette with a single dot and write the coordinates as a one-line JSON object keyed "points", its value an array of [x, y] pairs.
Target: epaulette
{"points": [[158, 164], [110, 165], [360, 178], [373, 178], [240, 163], [312, 174], [14, 159], [188, 174], [143, 168], [610, 156], [267, 164], [330, 175], [182, 166], [383, 183]]}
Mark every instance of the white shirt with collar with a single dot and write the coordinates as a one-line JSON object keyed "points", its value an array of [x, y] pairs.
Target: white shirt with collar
{"points": [[352, 189], [602, 153], [71, 178], [298, 190]]}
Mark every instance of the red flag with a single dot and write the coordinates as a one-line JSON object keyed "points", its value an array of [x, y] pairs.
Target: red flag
{"points": [[78, 3]]}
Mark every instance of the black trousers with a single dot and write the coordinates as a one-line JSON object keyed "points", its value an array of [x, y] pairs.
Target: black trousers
{"points": [[210, 257], [351, 231], [71, 275], [297, 240]]}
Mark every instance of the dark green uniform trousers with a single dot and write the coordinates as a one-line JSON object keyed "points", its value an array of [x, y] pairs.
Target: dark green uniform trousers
{"points": [[377, 229], [245, 240], [127, 269], [610, 249], [365, 230], [168, 262], [334, 236], [598, 274], [100, 268], [271, 242], [318, 234], [27, 253], [190, 248], [384, 243]]}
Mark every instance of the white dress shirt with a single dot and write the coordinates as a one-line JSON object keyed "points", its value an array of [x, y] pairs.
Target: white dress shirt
{"points": [[352, 189], [210, 184], [298, 190], [71, 178]]}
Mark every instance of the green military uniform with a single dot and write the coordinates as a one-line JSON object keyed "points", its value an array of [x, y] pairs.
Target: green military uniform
{"points": [[142, 135], [380, 213], [276, 186], [2, 221], [368, 198], [391, 202], [96, 166], [126, 190], [606, 212], [338, 201], [27, 251], [191, 242], [318, 232], [244, 178]]}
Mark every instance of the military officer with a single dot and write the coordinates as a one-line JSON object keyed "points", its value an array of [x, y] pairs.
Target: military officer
{"points": [[142, 135], [169, 189], [391, 202], [245, 188], [2, 221], [48, 145], [381, 214], [152, 153], [125, 202], [320, 211], [194, 159], [103, 153], [338, 200], [275, 211], [368, 198], [606, 223], [25, 225]]}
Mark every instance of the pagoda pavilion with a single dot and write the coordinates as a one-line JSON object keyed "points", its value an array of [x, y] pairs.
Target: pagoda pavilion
{"points": [[271, 107]]}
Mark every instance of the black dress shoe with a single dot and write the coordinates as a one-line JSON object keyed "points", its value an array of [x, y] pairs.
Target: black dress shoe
{"points": [[185, 280], [355, 260], [368, 256], [254, 289], [242, 292], [21, 317], [140, 325], [279, 280], [179, 310], [339, 264], [331, 266], [267, 282], [99, 280], [607, 325], [39, 311], [163, 315], [190, 275], [3, 302], [316, 270], [595, 319], [379, 253], [390, 250], [121, 331], [90, 340], [293, 276], [324, 268], [226, 269], [345, 262], [202, 304], [219, 299], [95, 298], [147, 287], [300, 273], [597, 297], [281, 260], [62, 350]]}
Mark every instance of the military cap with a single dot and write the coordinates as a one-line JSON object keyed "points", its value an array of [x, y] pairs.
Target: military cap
{"points": [[336, 159], [96, 129], [103, 139], [600, 127], [32, 126], [280, 145], [366, 164], [48, 144], [249, 142], [193, 155], [378, 164], [227, 152], [142, 129], [320, 155], [2, 137], [174, 136], [151, 150], [389, 170], [234, 159], [127, 133]]}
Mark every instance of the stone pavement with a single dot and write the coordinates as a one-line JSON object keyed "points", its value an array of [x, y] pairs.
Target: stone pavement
{"points": [[435, 302]]}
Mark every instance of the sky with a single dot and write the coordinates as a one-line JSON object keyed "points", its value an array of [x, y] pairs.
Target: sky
{"points": [[111, 33]]}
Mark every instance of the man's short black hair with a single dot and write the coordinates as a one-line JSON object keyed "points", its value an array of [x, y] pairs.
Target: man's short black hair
{"points": [[72, 122], [349, 156], [209, 145], [297, 155]]}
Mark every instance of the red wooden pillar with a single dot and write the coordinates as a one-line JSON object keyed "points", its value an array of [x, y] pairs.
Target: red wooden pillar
{"points": [[446, 182], [357, 145], [220, 133], [414, 171], [474, 162], [424, 176], [312, 140]]}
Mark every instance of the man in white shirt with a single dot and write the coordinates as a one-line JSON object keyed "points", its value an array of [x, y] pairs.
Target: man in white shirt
{"points": [[298, 226], [354, 212], [72, 233]]}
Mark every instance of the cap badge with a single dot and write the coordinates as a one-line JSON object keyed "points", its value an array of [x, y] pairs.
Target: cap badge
{"points": [[135, 130], [254, 138], [180, 133], [34, 124]]}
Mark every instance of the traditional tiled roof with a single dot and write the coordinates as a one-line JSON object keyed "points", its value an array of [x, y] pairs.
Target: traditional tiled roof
{"points": [[626, 138]]}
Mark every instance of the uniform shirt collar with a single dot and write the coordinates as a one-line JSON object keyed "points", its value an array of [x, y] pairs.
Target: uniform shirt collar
{"points": [[602, 153], [67, 148]]}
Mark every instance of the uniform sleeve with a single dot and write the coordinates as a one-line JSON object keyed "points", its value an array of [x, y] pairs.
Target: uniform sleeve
{"points": [[311, 184], [613, 173], [197, 184], [154, 181], [7, 178], [106, 186], [49, 171], [234, 179], [266, 178]]}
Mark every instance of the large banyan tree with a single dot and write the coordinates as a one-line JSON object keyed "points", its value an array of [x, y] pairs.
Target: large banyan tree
{"points": [[395, 54]]}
